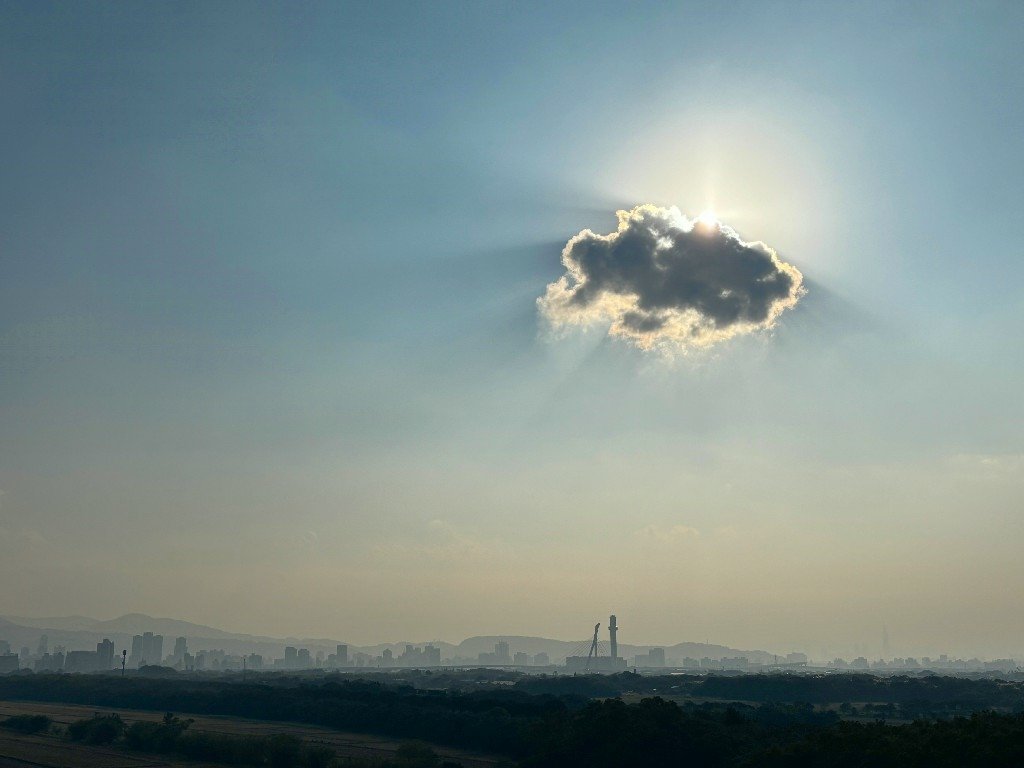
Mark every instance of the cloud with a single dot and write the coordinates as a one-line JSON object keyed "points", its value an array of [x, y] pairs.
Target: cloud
{"points": [[22, 541], [989, 466], [663, 280], [670, 536], [444, 542]]}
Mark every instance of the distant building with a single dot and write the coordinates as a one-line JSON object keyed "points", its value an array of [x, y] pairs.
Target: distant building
{"points": [[80, 661], [104, 655], [50, 662], [654, 658], [736, 664], [541, 660], [521, 659], [152, 651], [180, 650], [44, 646], [595, 664], [9, 662], [500, 655], [294, 658], [338, 659], [135, 658], [254, 661]]}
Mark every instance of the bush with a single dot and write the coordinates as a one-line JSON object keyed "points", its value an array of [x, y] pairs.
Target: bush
{"points": [[317, 756], [27, 723], [415, 755], [100, 729], [223, 748], [157, 737], [283, 750]]}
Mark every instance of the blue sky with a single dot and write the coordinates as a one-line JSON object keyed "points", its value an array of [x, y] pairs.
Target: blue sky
{"points": [[269, 337]]}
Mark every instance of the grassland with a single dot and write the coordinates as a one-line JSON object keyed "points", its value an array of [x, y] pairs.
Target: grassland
{"points": [[50, 751]]}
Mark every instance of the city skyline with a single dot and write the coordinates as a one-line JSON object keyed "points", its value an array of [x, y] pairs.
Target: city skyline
{"points": [[148, 645]]}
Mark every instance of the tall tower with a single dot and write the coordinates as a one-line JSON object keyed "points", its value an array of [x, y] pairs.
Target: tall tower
{"points": [[613, 628]]}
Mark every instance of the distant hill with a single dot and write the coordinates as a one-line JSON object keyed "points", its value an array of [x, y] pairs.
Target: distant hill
{"points": [[70, 623], [81, 633], [137, 623]]}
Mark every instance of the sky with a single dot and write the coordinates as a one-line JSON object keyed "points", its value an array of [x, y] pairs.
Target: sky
{"points": [[272, 357]]}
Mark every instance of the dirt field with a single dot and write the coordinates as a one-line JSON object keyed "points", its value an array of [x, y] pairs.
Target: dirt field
{"points": [[52, 752], [19, 750]]}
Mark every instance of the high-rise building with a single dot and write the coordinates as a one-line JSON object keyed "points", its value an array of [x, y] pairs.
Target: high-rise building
{"points": [[104, 655], [146, 657], [304, 660], [501, 651], [136, 654], [432, 656], [180, 649], [44, 646], [341, 658]]}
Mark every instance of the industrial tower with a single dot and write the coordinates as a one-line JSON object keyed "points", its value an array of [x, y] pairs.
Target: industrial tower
{"points": [[593, 661]]}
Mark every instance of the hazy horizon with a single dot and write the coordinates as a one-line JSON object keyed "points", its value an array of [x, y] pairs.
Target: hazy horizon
{"points": [[302, 332], [881, 647]]}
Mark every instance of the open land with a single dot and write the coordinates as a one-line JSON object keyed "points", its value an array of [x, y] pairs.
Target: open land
{"points": [[52, 752]]}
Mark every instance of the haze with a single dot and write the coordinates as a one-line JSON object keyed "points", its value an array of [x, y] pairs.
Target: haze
{"points": [[271, 358]]}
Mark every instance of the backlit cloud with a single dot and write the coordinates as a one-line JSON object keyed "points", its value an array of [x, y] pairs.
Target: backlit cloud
{"points": [[665, 280]]}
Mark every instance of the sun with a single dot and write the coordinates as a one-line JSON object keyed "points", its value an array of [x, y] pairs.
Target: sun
{"points": [[707, 216]]}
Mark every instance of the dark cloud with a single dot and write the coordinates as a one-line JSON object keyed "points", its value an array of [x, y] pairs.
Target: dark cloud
{"points": [[663, 279]]}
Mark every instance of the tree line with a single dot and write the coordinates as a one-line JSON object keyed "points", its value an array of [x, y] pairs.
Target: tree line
{"points": [[582, 722]]}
